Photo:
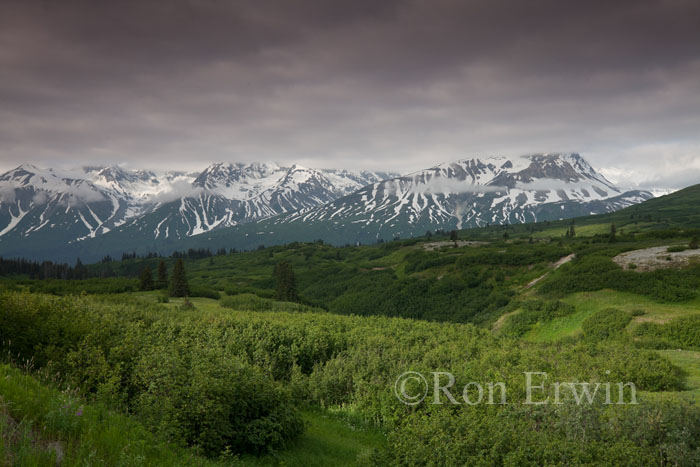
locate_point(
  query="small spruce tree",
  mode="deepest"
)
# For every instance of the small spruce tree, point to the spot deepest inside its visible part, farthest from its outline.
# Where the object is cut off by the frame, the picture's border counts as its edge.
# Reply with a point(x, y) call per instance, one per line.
point(162, 281)
point(79, 271)
point(178, 282)
point(146, 280)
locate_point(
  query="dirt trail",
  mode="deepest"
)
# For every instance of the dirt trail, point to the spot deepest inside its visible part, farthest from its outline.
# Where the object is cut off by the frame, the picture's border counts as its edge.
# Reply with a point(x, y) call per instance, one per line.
point(555, 266)
point(497, 325)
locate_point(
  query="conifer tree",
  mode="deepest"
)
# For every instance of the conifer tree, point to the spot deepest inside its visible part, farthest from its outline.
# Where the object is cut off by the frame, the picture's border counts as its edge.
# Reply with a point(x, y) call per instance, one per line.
point(178, 281)
point(613, 231)
point(162, 282)
point(146, 282)
point(285, 282)
point(79, 270)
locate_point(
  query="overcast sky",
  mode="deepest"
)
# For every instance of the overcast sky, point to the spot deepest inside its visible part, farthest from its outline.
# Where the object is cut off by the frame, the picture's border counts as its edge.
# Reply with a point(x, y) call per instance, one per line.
point(376, 84)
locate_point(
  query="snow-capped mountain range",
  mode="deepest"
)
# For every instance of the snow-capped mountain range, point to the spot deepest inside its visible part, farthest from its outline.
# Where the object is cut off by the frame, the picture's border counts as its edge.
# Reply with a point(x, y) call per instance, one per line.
point(480, 191)
point(462, 194)
point(110, 209)
point(49, 205)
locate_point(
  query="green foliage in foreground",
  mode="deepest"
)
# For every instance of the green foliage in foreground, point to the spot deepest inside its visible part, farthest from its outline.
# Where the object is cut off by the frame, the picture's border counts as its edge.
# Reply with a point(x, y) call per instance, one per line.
point(161, 364)
point(181, 384)
point(551, 435)
point(42, 426)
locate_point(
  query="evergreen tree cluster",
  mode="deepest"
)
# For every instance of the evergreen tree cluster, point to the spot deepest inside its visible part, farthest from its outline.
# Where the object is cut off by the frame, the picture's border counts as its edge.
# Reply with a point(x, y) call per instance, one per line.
point(133, 255)
point(45, 270)
point(192, 253)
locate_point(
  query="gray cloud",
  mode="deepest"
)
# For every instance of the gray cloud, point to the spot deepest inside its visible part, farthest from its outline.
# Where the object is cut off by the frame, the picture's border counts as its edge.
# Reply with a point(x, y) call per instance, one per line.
point(7, 194)
point(397, 85)
point(176, 190)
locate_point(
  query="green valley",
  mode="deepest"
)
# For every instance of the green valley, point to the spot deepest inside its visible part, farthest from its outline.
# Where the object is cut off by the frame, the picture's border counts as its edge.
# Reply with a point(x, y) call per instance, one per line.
point(234, 373)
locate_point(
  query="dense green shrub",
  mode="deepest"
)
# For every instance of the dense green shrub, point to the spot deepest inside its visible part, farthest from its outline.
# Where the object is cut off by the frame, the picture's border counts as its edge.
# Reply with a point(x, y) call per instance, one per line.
point(682, 332)
point(199, 395)
point(420, 260)
point(206, 292)
point(76, 287)
point(513, 255)
point(605, 324)
point(548, 435)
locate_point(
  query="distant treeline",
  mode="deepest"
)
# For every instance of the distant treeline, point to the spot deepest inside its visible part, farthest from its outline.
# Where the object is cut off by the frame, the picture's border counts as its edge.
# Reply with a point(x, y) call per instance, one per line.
point(44, 270)
point(51, 270)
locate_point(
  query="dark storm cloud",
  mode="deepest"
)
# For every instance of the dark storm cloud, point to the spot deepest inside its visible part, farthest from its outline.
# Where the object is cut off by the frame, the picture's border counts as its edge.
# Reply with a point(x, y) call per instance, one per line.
point(386, 84)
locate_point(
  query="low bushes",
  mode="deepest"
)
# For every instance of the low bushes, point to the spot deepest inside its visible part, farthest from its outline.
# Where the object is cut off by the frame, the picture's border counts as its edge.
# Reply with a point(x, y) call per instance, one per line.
point(250, 302)
point(177, 373)
point(225, 381)
point(205, 292)
point(680, 333)
point(605, 324)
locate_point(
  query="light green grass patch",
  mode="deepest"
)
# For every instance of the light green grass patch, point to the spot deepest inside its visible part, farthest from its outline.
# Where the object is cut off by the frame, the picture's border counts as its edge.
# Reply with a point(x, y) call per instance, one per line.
point(688, 360)
point(587, 303)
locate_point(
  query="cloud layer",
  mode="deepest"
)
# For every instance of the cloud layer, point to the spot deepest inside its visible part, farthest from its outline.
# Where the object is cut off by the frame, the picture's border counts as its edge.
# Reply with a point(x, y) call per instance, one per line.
point(397, 85)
